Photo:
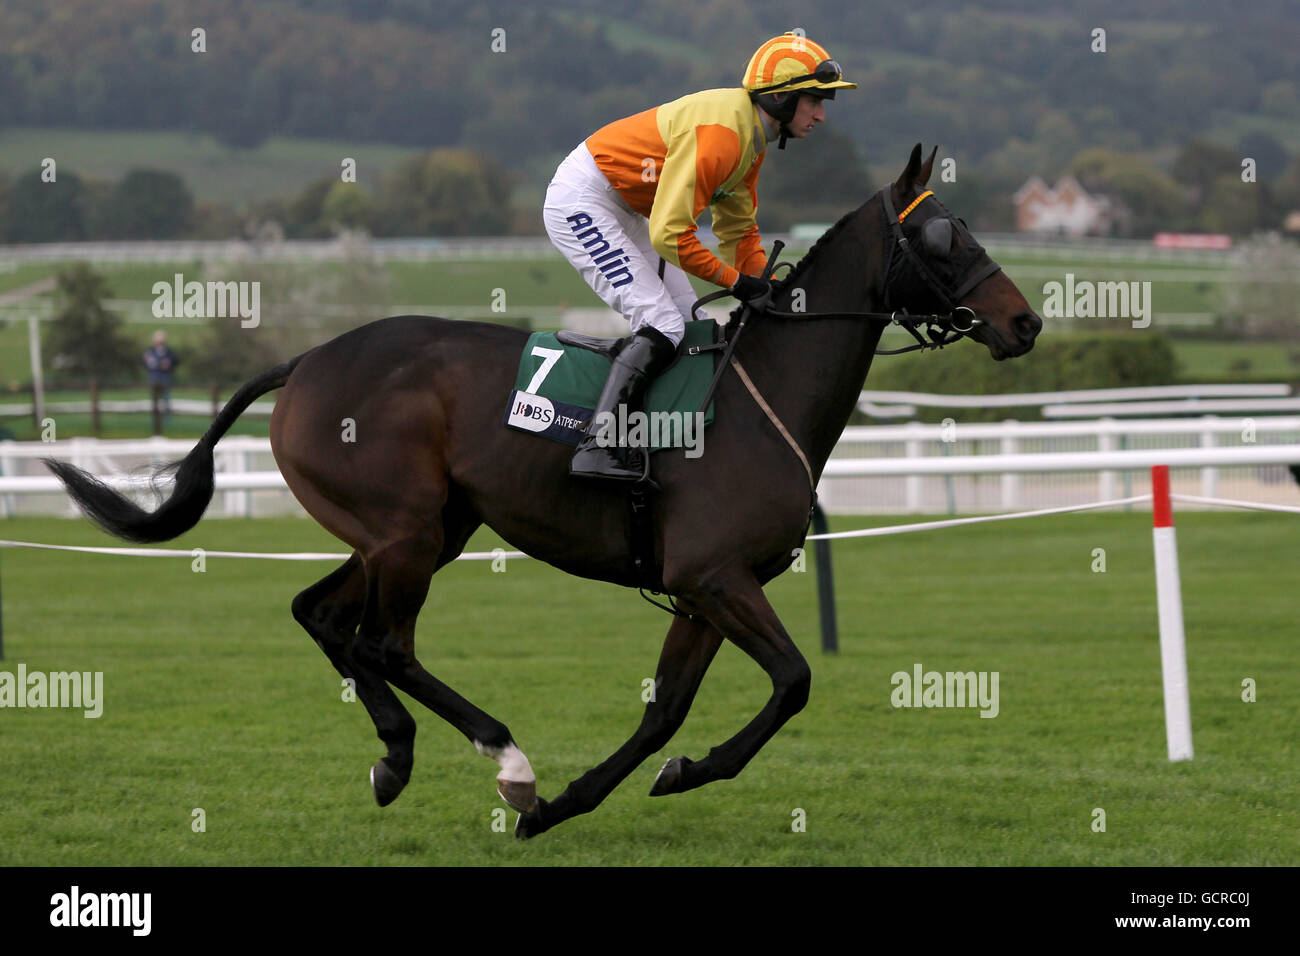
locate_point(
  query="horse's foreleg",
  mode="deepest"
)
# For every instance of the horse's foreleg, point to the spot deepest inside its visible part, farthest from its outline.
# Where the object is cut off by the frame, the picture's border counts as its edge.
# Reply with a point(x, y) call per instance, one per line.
point(688, 650)
point(330, 611)
point(738, 608)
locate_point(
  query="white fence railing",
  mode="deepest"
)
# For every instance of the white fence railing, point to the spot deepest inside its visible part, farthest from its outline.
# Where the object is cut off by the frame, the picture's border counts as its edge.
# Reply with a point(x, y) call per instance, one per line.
point(248, 483)
point(1143, 400)
point(1244, 406)
point(1029, 399)
point(890, 477)
point(913, 468)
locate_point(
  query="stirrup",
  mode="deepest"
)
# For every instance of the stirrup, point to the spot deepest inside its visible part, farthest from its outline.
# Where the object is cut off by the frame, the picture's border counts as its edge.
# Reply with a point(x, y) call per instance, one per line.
point(597, 455)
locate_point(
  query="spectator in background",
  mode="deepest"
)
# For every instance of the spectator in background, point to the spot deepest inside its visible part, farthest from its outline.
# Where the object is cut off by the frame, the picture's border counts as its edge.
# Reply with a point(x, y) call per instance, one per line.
point(161, 362)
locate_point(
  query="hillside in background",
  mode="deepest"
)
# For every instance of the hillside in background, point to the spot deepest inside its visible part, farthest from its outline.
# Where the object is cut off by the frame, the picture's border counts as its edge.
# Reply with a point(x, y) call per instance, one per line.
point(285, 88)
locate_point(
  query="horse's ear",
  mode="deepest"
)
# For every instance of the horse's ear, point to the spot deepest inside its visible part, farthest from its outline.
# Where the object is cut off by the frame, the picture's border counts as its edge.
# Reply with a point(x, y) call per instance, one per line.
point(924, 177)
point(903, 185)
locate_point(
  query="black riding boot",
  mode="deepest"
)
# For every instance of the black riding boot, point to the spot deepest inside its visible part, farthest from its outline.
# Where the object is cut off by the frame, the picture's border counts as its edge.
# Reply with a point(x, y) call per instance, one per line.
point(646, 354)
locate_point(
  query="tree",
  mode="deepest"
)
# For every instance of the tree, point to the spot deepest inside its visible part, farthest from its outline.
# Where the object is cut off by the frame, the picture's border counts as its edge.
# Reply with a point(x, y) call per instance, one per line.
point(1199, 164)
point(40, 211)
point(1153, 199)
point(303, 213)
point(326, 206)
point(1286, 191)
point(1268, 153)
point(1280, 99)
point(97, 209)
point(6, 185)
point(149, 204)
point(817, 184)
point(216, 220)
point(85, 338)
point(446, 192)
point(230, 354)
point(302, 304)
point(346, 206)
point(1231, 206)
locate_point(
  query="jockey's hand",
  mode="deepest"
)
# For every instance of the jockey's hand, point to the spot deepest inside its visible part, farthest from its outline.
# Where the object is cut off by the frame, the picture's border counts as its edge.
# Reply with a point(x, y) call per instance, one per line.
point(753, 290)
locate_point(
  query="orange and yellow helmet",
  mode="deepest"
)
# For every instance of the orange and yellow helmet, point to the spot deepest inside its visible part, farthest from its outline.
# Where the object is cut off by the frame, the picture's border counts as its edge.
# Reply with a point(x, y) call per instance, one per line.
point(794, 62)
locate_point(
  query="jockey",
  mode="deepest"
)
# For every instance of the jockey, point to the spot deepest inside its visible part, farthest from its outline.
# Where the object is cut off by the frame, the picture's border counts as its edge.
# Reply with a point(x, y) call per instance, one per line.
point(623, 208)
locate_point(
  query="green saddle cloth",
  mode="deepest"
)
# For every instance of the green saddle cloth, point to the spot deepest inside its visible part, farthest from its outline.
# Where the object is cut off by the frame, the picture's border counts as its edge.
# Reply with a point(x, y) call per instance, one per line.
point(558, 386)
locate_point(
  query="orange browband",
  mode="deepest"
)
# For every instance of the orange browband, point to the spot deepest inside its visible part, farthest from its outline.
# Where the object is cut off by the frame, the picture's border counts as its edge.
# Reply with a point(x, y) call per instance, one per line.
point(915, 202)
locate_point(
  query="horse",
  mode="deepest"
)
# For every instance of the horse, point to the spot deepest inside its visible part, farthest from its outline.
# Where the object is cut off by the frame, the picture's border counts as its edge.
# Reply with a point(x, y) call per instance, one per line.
point(429, 462)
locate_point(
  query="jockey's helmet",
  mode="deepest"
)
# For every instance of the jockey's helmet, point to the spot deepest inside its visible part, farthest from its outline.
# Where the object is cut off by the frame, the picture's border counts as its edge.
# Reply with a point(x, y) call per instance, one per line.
point(787, 63)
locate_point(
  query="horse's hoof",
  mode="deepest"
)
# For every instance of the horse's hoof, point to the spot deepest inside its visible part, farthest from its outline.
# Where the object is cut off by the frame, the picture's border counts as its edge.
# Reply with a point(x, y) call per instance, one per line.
point(530, 824)
point(386, 784)
point(670, 776)
point(520, 795)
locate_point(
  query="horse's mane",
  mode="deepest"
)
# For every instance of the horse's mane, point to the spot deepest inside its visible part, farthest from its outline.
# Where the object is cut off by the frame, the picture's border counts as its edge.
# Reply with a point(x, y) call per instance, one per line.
point(802, 266)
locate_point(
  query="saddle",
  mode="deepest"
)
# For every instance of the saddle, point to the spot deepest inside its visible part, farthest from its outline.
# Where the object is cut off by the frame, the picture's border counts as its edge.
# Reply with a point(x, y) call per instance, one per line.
point(559, 381)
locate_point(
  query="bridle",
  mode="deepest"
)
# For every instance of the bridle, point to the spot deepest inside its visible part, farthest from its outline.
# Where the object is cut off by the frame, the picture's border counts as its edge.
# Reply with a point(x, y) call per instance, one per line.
point(936, 239)
point(940, 329)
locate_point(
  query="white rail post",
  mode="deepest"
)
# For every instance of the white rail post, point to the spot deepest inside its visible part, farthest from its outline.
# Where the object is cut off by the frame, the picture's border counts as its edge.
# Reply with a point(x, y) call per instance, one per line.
point(1010, 480)
point(1209, 474)
point(7, 502)
point(1169, 604)
point(1106, 442)
point(239, 504)
point(912, 483)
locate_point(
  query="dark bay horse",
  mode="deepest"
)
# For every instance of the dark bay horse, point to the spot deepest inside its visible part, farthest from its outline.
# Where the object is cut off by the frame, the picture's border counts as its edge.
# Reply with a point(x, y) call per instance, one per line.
point(430, 462)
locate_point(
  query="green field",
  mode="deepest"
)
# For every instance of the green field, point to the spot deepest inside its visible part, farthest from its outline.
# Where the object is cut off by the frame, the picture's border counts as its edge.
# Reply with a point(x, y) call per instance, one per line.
point(1175, 290)
point(215, 699)
point(1275, 361)
point(279, 167)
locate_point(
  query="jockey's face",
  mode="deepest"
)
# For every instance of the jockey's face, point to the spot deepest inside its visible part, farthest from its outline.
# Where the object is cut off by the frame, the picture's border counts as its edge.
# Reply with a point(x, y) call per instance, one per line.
point(810, 111)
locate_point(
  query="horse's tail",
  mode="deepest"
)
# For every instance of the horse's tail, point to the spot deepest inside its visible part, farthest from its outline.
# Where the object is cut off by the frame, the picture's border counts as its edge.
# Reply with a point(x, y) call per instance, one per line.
point(120, 516)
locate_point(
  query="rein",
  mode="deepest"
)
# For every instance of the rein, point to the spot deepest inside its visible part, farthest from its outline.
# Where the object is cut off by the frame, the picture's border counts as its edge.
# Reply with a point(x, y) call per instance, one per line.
point(940, 329)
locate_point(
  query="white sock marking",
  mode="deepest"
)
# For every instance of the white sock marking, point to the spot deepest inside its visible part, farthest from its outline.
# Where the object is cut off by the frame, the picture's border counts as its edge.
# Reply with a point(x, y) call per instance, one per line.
point(514, 765)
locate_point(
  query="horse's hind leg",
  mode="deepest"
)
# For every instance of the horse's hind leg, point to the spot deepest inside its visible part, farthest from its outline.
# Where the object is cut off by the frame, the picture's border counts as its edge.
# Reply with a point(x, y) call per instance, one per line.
point(330, 611)
point(397, 582)
point(688, 650)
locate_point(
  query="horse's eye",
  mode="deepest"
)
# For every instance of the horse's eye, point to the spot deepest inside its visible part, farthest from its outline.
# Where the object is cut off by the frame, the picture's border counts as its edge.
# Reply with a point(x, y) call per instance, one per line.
point(936, 237)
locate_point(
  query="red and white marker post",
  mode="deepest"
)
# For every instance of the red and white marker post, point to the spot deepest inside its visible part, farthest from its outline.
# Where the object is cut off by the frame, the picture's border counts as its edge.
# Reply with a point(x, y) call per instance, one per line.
point(1169, 602)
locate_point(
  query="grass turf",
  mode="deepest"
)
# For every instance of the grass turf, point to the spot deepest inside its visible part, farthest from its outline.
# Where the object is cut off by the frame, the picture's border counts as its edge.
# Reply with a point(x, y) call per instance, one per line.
point(215, 699)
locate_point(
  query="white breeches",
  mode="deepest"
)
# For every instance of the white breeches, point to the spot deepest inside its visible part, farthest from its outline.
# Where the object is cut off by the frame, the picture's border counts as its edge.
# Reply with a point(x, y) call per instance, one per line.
point(609, 244)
